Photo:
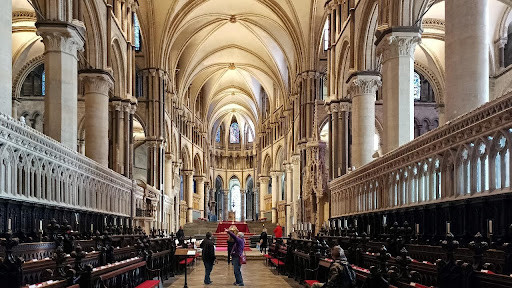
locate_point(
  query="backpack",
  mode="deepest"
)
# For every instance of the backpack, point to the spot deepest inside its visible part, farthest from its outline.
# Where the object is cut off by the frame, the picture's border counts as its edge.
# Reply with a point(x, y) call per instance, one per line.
point(348, 276)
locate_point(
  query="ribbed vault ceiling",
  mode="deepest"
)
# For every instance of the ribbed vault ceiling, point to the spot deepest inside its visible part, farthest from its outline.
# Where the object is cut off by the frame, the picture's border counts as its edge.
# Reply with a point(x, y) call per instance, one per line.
point(228, 51)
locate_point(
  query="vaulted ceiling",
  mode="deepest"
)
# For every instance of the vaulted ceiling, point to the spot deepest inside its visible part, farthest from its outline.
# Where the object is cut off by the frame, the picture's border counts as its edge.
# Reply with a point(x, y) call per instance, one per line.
point(229, 52)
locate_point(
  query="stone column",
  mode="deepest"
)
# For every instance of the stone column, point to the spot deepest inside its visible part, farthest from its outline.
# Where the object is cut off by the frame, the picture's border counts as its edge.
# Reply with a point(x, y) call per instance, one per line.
point(275, 191)
point(296, 186)
point(289, 198)
point(169, 176)
point(6, 58)
point(61, 44)
point(242, 205)
point(467, 56)
point(335, 140)
point(342, 149)
point(363, 88)
point(96, 86)
point(225, 205)
point(396, 50)
point(263, 192)
point(200, 192)
point(189, 193)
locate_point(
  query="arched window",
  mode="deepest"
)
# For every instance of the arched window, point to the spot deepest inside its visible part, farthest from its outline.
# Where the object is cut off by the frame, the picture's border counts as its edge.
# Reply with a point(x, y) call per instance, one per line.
point(34, 84)
point(416, 82)
point(234, 133)
point(250, 135)
point(136, 31)
point(326, 35)
point(422, 89)
point(217, 136)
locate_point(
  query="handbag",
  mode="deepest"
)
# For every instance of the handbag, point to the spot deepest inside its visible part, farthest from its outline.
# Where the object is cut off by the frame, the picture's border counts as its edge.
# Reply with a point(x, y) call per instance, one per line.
point(243, 259)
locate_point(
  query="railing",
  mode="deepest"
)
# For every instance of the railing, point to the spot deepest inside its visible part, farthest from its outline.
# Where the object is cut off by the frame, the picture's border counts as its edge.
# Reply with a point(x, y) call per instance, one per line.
point(36, 168)
point(467, 157)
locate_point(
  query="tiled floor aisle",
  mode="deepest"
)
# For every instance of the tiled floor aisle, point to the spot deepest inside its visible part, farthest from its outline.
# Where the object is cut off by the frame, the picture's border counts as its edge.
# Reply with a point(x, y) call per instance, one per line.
point(255, 274)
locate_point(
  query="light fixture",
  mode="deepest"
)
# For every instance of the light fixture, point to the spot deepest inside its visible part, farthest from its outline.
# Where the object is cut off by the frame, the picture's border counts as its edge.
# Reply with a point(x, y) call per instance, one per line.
point(232, 66)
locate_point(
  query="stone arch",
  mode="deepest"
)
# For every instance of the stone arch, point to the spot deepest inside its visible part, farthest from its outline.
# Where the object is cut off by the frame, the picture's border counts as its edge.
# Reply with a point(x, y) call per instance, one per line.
point(118, 64)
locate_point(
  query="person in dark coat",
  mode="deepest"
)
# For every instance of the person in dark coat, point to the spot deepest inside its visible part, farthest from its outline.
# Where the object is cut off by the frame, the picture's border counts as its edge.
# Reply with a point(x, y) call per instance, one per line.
point(263, 241)
point(181, 236)
point(208, 256)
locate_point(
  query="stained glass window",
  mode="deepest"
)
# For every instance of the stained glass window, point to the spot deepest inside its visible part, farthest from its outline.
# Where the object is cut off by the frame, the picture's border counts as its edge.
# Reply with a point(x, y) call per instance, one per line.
point(217, 136)
point(416, 82)
point(234, 133)
point(136, 30)
point(43, 84)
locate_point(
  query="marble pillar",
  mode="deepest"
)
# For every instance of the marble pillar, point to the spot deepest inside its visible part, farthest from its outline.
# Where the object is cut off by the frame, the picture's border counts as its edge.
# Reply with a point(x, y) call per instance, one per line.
point(96, 86)
point(342, 148)
point(6, 59)
point(242, 205)
point(61, 41)
point(335, 139)
point(263, 192)
point(189, 194)
point(200, 192)
point(363, 89)
point(396, 50)
point(225, 205)
point(289, 198)
point(168, 176)
point(467, 56)
point(296, 187)
point(275, 194)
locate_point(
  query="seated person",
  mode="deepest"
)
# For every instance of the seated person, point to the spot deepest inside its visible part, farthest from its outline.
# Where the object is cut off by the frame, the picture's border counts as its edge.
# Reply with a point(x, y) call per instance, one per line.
point(340, 272)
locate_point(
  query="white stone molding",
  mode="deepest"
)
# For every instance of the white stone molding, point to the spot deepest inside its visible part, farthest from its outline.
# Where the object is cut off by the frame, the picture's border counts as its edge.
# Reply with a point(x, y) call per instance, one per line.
point(363, 84)
point(64, 178)
point(398, 44)
point(61, 38)
point(434, 156)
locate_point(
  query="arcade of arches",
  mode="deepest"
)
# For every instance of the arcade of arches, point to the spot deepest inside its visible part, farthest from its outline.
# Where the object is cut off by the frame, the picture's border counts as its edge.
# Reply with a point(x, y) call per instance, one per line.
point(158, 113)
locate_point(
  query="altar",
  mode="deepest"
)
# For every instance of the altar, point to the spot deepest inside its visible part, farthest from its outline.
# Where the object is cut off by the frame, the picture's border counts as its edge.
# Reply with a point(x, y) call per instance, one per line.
point(241, 226)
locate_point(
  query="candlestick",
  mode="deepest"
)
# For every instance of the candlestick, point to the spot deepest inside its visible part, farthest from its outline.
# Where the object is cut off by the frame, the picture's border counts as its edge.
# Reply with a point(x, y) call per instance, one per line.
point(92, 228)
point(490, 226)
point(448, 227)
point(346, 223)
point(115, 221)
point(417, 229)
point(339, 223)
point(369, 227)
point(355, 222)
point(9, 224)
point(40, 225)
point(384, 220)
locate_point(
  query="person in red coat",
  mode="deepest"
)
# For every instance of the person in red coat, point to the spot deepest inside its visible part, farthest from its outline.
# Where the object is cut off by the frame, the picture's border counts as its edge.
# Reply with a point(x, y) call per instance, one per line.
point(278, 231)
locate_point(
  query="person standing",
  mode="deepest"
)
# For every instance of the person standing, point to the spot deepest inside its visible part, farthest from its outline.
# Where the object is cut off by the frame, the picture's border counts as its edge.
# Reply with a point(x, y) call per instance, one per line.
point(208, 256)
point(238, 250)
point(231, 242)
point(278, 231)
point(263, 241)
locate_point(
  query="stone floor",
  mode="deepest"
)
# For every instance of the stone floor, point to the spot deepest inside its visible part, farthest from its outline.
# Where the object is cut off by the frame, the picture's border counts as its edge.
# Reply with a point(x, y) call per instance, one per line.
point(255, 274)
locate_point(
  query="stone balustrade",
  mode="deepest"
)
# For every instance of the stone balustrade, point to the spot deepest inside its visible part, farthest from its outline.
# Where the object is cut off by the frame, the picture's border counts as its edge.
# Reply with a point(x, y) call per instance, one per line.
point(467, 157)
point(35, 168)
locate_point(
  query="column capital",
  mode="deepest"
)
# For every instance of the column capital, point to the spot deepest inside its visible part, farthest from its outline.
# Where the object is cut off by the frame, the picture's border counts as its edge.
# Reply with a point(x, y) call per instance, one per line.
point(61, 37)
point(296, 159)
point(364, 83)
point(398, 42)
point(187, 172)
point(264, 178)
point(344, 106)
point(96, 80)
point(199, 178)
point(276, 174)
